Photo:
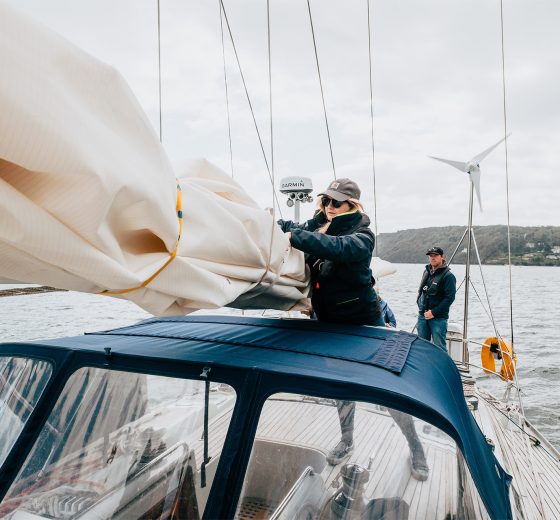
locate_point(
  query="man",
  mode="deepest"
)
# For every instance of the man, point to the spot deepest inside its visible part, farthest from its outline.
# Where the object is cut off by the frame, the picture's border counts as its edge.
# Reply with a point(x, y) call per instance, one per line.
point(435, 295)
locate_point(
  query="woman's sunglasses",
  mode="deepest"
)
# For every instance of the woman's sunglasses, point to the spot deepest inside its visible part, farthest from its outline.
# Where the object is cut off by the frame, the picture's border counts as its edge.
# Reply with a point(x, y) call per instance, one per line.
point(325, 201)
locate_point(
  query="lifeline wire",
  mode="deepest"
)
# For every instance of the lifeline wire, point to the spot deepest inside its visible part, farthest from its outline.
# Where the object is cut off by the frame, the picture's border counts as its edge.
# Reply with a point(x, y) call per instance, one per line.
point(226, 87)
point(372, 136)
point(321, 86)
point(249, 100)
point(534, 439)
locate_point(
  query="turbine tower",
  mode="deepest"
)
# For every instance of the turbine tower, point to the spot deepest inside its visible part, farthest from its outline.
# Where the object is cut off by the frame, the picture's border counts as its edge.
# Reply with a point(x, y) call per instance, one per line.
point(472, 168)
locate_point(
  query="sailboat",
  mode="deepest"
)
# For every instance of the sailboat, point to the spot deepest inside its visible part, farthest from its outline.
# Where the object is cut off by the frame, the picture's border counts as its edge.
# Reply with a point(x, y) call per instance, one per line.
point(232, 417)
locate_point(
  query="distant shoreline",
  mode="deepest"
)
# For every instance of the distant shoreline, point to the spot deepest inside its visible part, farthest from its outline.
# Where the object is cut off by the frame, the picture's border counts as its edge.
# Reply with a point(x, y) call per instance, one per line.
point(530, 246)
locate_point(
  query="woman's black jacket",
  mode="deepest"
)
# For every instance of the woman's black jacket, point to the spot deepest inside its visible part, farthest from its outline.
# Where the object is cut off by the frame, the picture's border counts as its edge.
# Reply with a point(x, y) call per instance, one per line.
point(339, 259)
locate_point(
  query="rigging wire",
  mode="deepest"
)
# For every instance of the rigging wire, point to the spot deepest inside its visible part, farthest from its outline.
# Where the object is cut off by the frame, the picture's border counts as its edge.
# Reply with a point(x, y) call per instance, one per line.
point(159, 67)
point(536, 441)
point(270, 92)
point(507, 171)
point(321, 86)
point(507, 192)
point(226, 88)
point(249, 101)
point(273, 222)
point(488, 310)
point(498, 335)
point(484, 286)
point(376, 253)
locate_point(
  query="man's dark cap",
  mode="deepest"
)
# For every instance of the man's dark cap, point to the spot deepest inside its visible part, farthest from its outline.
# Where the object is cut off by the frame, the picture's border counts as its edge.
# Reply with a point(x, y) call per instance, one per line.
point(342, 189)
point(434, 251)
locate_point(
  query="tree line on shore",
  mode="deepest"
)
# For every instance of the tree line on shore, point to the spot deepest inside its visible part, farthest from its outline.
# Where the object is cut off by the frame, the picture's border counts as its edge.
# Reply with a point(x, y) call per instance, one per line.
point(529, 245)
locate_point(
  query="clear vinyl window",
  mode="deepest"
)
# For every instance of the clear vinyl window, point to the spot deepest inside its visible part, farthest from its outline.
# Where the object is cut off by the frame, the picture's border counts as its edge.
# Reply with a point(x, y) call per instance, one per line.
point(22, 381)
point(124, 445)
point(322, 459)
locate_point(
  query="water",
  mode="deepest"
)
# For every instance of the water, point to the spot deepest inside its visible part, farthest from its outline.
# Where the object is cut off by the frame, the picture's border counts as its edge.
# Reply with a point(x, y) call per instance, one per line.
point(536, 325)
point(536, 311)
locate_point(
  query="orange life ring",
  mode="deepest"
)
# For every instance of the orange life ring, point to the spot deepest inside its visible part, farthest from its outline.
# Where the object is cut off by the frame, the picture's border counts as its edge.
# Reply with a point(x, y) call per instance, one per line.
point(493, 349)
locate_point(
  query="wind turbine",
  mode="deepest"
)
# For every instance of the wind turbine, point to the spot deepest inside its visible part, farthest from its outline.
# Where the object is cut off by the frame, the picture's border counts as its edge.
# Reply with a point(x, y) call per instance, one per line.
point(472, 168)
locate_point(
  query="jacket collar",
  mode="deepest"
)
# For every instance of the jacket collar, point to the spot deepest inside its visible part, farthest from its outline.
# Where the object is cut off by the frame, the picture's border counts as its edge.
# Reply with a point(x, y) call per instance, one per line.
point(443, 267)
point(348, 222)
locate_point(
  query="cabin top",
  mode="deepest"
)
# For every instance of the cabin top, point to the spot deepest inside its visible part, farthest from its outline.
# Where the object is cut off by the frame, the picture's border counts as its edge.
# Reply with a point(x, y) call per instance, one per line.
point(392, 368)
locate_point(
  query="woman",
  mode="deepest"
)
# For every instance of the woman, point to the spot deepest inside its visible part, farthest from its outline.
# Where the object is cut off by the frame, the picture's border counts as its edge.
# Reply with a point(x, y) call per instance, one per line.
point(338, 244)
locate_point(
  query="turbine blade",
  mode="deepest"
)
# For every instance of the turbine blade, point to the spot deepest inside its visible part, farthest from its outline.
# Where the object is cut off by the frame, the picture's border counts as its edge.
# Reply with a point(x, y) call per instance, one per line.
point(477, 158)
point(475, 179)
point(456, 164)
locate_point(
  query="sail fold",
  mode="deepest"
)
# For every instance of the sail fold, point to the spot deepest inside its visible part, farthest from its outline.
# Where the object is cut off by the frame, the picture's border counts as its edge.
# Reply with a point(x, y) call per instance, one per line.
point(88, 195)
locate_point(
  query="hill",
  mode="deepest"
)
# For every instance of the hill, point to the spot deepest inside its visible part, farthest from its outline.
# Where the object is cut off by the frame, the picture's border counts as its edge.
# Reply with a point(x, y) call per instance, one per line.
point(529, 245)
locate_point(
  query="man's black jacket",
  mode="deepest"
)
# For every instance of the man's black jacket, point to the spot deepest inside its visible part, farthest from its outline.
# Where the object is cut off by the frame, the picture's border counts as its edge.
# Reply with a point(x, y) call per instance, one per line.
point(339, 259)
point(437, 291)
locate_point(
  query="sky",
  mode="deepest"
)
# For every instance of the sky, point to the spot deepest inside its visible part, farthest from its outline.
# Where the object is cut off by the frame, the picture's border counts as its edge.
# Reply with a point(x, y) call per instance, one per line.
point(437, 90)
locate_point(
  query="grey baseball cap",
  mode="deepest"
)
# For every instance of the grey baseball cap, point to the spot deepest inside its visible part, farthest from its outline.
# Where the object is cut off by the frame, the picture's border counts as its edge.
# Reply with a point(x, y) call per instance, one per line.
point(342, 189)
point(435, 251)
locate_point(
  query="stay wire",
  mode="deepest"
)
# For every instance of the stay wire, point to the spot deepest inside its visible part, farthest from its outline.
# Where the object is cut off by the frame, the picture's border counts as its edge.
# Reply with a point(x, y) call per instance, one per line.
point(484, 286)
point(226, 88)
point(513, 349)
point(372, 131)
point(249, 102)
point(273, 223)
point(270, 91)
point(498, 335)
point(321, 86)
point(159, 67)
point(507, 170)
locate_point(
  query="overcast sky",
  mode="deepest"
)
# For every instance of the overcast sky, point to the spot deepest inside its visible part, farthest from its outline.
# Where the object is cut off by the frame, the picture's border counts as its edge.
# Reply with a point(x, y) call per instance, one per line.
point(437, 80)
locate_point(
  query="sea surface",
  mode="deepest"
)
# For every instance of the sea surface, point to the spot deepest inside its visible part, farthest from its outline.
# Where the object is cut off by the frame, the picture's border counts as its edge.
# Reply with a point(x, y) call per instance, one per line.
point(536, 318)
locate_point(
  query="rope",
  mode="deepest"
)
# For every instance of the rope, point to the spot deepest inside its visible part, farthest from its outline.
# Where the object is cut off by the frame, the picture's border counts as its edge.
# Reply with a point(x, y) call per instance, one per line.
point(507, 171)
point(321, 86)
point(159, 69)
point(248, 99)
point(226, 87)
point(372, 133)
point(23, 291)
point(179, 209)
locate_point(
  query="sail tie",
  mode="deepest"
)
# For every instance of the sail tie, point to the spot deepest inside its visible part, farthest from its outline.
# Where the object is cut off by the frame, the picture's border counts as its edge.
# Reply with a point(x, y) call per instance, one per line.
point(173, 254)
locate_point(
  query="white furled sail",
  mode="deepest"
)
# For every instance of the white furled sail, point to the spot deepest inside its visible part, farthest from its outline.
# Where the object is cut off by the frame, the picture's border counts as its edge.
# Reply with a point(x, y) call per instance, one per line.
point(89, 200)
point(381, 268)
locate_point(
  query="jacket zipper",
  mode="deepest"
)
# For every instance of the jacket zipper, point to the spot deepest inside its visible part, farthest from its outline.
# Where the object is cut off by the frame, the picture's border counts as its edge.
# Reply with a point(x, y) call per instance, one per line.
point(348, 301)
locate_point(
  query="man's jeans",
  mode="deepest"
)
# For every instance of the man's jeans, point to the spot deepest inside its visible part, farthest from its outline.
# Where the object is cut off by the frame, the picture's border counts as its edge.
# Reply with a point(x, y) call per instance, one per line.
point(434, 330)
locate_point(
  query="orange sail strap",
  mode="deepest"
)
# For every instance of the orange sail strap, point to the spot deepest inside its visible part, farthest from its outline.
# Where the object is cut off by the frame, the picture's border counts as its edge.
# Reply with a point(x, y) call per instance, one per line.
point(173, 254)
